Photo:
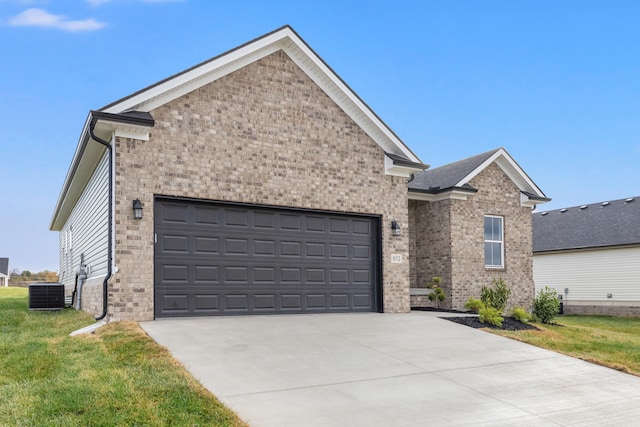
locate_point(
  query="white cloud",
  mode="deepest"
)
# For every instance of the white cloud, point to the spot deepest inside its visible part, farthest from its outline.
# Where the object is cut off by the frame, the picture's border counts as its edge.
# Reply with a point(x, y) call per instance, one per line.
point(41, 18)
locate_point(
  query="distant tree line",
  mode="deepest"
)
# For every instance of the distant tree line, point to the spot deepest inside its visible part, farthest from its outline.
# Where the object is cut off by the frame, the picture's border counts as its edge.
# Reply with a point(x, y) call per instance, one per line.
point(24, 276)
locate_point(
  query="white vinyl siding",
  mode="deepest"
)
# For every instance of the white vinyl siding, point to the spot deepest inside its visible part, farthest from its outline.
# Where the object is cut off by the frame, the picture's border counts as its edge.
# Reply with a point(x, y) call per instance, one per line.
point(591, 274)
point(86, 229)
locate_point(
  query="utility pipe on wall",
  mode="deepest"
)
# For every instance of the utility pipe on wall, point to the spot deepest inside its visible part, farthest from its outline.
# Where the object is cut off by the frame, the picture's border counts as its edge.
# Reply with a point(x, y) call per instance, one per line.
point(105, 283)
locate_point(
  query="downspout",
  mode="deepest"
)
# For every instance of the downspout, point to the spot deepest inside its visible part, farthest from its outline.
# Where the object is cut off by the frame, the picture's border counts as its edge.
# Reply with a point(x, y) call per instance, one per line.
point(105, 283)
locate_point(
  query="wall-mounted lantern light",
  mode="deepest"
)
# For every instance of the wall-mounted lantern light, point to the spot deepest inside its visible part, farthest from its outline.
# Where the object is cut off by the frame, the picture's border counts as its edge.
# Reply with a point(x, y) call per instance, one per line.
point(137, 209)
point(395, 228)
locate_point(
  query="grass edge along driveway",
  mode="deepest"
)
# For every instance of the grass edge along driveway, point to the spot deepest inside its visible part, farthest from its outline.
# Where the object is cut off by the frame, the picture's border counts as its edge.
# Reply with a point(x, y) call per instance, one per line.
point(609, 341)
point(116, 376)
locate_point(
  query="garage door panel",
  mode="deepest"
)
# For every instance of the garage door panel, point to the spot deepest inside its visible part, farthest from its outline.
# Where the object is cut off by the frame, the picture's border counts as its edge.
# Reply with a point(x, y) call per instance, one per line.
point(290, 222)
point(218, 259)
point(206, 274)
point(206, 245)
point(206, 216)
point(206, 302)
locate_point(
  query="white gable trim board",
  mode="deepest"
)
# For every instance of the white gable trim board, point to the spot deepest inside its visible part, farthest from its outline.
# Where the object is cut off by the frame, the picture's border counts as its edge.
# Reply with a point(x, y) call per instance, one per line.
point(283, 39)
point(513, 171)
point(173, 87)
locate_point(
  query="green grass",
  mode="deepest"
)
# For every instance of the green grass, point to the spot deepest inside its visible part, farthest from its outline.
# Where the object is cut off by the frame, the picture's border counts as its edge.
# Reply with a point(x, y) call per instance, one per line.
point(116, 376)
point(605, 340)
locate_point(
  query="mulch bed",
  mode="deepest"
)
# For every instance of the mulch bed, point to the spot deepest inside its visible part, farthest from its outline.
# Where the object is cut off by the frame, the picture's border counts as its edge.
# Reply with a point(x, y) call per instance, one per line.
point(509, 323)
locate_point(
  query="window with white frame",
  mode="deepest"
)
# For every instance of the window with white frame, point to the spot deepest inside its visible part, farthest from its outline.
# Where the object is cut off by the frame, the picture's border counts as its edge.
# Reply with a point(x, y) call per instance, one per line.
point(493, 241)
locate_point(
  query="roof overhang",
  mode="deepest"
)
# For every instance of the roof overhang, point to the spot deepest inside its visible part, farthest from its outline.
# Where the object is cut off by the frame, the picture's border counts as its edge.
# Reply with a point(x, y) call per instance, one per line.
point(585, 249)
point(287, 40)
point(399, 166)
point(435, 195)
point(88, 154)
point(531, 200)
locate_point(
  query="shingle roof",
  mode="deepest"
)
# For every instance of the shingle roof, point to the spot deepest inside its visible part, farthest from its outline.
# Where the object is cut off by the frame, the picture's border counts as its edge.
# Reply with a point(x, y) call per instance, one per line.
point(614, 223)
point(4, 266)
point(447, 176)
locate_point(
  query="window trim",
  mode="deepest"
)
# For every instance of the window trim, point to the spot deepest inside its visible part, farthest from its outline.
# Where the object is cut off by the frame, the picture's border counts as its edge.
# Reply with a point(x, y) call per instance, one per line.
point(502, 265)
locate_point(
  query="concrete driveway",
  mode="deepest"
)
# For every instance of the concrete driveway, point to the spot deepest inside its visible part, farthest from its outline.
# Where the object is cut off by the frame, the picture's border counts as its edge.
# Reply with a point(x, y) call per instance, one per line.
point(391, 370)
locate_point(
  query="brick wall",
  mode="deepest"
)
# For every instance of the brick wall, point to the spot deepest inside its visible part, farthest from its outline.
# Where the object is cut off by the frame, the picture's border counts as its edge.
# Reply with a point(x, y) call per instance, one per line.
point(606, 308)
point(452, 232)
point(265, 134)
point(430, 239)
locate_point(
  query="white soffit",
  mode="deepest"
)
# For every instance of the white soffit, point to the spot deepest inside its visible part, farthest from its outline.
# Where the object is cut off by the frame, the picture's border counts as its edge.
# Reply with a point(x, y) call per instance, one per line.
point(284, 39)
point(452, 194)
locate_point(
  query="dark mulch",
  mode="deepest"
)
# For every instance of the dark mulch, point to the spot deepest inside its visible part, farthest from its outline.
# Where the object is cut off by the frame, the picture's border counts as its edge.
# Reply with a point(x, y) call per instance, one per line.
point(509, 323)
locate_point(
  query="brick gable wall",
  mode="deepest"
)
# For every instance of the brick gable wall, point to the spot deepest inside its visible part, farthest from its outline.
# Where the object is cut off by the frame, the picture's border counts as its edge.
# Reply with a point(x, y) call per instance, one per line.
point(265, 134)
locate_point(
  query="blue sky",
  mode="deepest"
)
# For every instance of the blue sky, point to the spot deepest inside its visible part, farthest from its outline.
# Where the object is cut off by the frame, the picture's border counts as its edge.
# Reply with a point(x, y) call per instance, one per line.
point(557, 83)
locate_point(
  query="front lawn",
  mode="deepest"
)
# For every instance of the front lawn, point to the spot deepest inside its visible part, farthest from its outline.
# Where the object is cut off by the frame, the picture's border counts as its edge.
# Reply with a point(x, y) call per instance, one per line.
point(116, 376)
point(605, 340)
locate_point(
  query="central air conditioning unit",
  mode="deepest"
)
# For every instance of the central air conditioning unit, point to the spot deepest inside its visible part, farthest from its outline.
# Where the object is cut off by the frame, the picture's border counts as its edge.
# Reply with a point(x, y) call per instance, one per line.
point(46, 296)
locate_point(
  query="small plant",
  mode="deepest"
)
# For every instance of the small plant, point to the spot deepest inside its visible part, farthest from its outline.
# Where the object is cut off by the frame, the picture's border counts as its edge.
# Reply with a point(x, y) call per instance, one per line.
point(546, 305)
point(491, 315)
point(521, 315)
point(438, 293)
point(474, 305)
point(496, 296)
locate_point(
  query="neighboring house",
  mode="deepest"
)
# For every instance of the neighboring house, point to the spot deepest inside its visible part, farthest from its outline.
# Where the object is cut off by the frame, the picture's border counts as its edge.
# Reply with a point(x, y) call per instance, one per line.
point(4, 272)
point(470, 223)
point(263, 184)
point(591, 255)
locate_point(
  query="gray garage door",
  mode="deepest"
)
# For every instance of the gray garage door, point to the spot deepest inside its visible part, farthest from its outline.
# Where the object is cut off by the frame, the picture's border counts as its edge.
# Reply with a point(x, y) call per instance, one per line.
point(227, 259)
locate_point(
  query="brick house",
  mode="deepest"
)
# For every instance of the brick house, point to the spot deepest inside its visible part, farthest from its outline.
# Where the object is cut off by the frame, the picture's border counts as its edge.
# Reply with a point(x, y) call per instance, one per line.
point(256, 182)
point(470, 223)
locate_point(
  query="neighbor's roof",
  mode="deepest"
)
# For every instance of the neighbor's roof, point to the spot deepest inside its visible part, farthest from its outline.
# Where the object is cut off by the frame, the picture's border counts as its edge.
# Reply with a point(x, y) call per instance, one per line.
point(4, 266)
point(456, 176)
point(615, 223)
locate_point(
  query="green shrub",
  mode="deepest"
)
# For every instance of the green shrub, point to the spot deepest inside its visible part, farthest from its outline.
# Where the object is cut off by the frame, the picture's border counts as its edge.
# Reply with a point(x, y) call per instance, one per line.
point(438, 293)
point(546, 305)
point(520, 314)
point(474, 305)
point(497, 296)
point(491, 315)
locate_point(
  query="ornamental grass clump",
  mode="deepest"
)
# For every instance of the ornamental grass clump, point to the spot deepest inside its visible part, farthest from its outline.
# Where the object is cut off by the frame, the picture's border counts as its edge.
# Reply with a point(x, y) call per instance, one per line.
point(491, 315)
point(521, 315)
point(474, 305)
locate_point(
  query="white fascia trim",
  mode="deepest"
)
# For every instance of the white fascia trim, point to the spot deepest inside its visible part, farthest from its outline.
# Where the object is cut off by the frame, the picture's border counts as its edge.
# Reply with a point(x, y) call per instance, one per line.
point(399, 170)
point(452, 194)
point(527, 202)
point(302, 55)
point(510, 167)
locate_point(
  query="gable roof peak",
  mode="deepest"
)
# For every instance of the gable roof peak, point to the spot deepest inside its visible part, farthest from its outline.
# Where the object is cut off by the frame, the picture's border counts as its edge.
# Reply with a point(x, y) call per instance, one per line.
point(286, 39)
point(458, 174)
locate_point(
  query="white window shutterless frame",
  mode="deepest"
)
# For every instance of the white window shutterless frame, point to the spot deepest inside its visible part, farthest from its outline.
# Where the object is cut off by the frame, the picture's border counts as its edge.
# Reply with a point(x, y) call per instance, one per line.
point(493, 241)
